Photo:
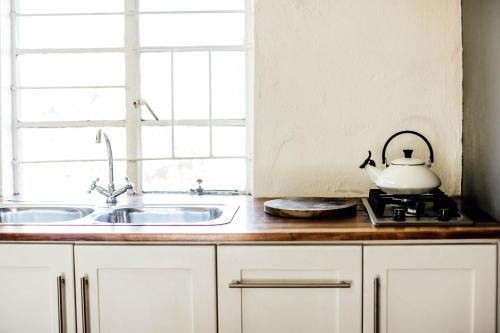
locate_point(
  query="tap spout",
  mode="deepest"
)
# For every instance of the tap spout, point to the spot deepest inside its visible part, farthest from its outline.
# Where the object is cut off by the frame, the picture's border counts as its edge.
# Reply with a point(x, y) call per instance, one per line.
point(98, 139)
point(111, 193)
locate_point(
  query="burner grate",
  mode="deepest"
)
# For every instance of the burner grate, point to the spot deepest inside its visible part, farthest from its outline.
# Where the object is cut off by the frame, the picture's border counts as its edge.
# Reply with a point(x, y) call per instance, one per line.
point(430, 208)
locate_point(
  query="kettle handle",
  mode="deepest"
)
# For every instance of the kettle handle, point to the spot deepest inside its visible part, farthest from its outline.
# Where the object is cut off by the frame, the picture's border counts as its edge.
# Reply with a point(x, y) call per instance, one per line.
point(384, 160)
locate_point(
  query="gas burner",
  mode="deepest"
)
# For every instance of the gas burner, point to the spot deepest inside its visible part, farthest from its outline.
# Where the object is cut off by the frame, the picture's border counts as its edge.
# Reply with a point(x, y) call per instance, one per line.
point(434, 208)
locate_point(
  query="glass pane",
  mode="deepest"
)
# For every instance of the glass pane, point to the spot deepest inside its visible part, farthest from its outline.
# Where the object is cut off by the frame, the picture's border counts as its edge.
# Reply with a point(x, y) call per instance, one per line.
point(41, 144)
point(191, 29)
point(71, 104)
point(71, 31)
point(72, 69)
point(155, 5)
point(229, 141)
point(181, 175)
point(191, 85)
point(46, 181)
point(69, 6)
point(156, 87)
point(191, 141)
point(228, 85)
point(156, 141)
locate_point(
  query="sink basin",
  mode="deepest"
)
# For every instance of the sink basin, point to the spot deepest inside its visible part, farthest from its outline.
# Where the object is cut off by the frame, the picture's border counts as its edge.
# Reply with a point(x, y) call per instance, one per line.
point(169, 215)
point(41, 214)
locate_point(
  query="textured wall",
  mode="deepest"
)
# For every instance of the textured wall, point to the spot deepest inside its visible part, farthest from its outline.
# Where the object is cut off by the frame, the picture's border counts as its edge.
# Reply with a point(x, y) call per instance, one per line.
point(334, 78)
point(482, 104)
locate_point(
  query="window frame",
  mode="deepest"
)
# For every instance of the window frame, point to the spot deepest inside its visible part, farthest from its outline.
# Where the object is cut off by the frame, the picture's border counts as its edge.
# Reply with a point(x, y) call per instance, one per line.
point(133, 122)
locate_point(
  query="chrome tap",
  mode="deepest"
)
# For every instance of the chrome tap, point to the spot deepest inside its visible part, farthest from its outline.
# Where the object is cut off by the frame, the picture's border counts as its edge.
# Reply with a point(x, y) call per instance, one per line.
point(111, 193)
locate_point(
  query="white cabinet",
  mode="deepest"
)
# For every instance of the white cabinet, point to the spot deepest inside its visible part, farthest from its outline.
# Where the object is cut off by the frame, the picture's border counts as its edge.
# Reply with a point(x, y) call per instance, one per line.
point(36, 288)
point(261, 288)
point(131, 289)
point(289, 289)
point(430, 288)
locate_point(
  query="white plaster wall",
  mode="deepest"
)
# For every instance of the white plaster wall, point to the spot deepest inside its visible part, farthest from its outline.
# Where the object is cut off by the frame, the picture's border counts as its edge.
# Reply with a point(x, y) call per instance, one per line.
point(334, 78)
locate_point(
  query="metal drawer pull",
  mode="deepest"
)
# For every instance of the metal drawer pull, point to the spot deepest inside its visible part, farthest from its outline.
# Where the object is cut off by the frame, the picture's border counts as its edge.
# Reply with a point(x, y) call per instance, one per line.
point(84, 283)
point(289, 284)
point(376, 297)
point(61, 287)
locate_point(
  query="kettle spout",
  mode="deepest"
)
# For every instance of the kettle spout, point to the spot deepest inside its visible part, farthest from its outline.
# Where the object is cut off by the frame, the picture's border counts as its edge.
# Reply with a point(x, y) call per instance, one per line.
point(373, 173)
point(370, 167)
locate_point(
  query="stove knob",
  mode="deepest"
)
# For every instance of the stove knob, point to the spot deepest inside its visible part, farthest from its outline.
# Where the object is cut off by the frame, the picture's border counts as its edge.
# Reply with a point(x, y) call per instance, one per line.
point(398, 214)
point(444, 214)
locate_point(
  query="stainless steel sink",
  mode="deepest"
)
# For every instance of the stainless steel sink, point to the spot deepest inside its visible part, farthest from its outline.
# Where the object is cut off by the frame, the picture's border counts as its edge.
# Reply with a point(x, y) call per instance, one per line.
point(181, 214)
point(169, 215)
point(41, 214)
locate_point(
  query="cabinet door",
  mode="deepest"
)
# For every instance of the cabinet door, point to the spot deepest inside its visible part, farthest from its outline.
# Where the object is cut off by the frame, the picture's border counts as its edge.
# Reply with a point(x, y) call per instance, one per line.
point(289, 289)
point(131, 289)
point(36, 288)
point(430, 288)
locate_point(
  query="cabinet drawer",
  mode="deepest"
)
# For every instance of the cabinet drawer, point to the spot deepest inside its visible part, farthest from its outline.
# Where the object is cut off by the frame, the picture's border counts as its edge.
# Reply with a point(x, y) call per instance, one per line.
point(289, 289)
point(430, 288)
point(36, 288)
point(130, 289)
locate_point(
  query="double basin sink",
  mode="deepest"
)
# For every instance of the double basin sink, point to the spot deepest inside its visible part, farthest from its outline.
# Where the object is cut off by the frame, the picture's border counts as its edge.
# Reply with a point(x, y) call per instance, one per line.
point(24, 214)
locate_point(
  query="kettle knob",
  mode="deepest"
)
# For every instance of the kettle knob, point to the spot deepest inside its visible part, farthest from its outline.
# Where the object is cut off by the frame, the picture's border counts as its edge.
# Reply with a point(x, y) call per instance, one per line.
point(408, 152)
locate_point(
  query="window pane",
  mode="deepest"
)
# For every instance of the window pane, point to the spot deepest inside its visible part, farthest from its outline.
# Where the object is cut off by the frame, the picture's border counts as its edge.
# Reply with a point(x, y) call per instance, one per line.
point(181, 175)
point(191, 85)
point(155, 5)
point(228, 85)
point(229, 141)
point(192, 29)
point(156, 88)
point(71, 104)
point(50, 180)
point(41, 144)
point(69, 6)
point(191, 141)
point(71, 31)
point(71, 69)
point(156, 141)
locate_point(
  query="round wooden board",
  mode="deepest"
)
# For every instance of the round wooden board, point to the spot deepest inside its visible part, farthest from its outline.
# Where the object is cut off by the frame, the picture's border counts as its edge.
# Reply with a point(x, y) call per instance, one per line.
point(310, 207)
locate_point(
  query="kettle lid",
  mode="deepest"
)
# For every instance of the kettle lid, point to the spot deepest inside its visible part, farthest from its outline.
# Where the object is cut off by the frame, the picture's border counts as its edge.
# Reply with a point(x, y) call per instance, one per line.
point(408, 160)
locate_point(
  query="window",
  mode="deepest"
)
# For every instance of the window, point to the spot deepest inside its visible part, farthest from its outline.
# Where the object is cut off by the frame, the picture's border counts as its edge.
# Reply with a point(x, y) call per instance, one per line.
point(81, 65)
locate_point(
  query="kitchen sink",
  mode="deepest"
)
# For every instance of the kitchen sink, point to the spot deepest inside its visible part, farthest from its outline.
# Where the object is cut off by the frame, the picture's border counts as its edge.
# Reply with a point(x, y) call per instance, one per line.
point(169, 215)
point(38, 214)
point(175, 214)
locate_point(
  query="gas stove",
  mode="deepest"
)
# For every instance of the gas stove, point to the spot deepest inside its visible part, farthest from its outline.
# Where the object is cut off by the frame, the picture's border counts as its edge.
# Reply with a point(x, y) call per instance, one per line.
point(434, 208)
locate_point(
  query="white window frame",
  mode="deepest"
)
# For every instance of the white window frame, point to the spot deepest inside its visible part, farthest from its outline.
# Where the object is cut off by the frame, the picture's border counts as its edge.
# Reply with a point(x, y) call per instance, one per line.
point(133, 122)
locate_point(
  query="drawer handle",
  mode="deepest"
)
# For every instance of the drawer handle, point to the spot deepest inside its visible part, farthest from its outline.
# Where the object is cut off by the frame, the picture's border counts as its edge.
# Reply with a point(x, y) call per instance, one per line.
point(290, 284)
point(61, 286)
point(376, 299)
point(84, 284)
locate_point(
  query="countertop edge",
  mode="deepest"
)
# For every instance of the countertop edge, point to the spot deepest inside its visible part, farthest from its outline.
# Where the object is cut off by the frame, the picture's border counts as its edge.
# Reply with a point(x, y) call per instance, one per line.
point(305, 236)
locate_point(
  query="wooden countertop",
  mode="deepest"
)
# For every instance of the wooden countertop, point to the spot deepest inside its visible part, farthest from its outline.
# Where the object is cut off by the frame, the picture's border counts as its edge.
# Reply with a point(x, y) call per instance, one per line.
point(250, 224)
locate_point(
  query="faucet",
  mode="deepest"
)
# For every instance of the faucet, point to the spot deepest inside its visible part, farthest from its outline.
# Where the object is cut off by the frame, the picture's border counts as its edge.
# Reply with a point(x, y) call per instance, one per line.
point(111, 193)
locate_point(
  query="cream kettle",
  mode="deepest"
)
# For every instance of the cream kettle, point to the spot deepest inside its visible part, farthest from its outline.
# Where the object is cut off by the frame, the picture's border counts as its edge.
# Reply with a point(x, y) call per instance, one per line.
point(405, 176)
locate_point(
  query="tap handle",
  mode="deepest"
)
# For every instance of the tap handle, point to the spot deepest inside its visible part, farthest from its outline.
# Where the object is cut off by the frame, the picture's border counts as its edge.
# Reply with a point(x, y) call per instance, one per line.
point(129, 185)
point(198, 190)
point(93, 186)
